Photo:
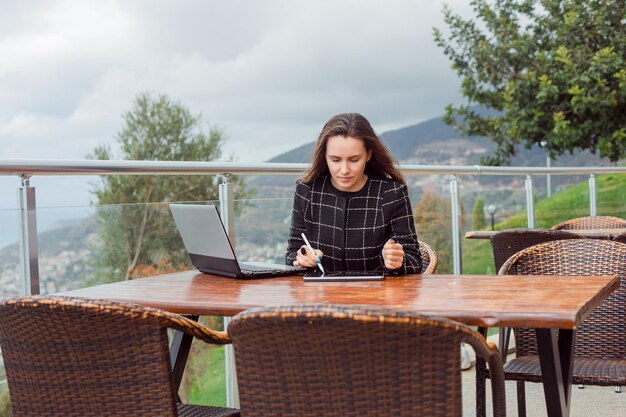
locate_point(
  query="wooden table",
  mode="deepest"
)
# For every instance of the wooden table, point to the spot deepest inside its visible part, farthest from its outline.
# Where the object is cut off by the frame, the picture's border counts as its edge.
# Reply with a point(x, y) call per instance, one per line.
point(547, 303)
point(590, 233)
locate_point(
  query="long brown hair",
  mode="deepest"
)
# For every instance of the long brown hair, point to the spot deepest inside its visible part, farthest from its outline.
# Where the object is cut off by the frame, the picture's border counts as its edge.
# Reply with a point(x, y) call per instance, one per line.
point(354, 125)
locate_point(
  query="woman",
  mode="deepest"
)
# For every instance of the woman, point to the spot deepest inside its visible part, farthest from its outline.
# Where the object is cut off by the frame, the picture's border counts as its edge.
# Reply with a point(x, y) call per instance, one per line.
point(353, 205)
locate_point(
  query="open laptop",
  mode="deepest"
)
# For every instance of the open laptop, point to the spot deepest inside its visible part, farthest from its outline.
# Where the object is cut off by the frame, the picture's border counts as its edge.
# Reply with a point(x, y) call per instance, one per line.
point(210, 250)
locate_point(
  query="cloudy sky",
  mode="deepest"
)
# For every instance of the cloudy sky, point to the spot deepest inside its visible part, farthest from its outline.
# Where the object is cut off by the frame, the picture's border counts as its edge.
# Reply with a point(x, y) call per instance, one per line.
point(268, 73)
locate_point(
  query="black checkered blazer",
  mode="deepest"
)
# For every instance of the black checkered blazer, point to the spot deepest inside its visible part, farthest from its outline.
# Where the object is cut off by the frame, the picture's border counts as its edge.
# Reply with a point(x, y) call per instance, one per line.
point(351, 228)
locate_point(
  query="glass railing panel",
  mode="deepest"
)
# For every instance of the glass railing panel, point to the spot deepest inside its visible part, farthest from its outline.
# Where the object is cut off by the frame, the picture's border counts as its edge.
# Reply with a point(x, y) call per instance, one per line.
point(10, 282)
point(432, 213)
point(566, 201)
point(507, 196)
point(125, 241)
point(85, 245)
point(64, 239)
point(610, 195)
point(489, 202)
point(262, 229)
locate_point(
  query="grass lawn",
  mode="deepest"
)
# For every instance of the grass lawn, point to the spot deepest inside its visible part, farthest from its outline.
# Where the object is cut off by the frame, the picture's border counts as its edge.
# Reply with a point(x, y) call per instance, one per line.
point(209, 387)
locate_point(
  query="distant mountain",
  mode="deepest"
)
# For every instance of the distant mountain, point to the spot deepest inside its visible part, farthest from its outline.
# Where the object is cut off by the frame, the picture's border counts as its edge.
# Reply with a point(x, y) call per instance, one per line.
point(433, 142)
point(298, 155)
point(64, 223)
point(67, 235)
point(405, 143)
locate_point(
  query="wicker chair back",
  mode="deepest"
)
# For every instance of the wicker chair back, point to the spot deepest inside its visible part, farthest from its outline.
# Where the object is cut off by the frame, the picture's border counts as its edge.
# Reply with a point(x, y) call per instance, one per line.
point(620, 238)
point(603, 333)
point(508, 242)
point(352, 361)
point(74, 357)
point(591, 222)
point(429, 258)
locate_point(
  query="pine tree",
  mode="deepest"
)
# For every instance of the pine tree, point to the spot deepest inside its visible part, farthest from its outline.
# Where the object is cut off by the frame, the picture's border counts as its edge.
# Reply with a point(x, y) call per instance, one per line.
point(478, 214)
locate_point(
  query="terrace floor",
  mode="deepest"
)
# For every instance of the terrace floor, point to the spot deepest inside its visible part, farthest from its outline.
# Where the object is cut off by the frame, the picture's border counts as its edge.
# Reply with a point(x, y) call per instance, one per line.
point(591, 401)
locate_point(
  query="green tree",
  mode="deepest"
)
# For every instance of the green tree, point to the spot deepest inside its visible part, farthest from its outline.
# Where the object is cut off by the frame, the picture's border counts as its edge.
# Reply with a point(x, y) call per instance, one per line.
point(432, 223)
point(549, 70)
point(478, 214)
point(137, 234)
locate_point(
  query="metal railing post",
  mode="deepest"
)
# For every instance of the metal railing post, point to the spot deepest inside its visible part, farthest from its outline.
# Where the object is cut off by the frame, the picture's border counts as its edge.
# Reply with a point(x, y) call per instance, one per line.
point(227, 213)
point(592, 195)
point(29, 252)
point(548, 182)
point(455, 214)
point(227, 207)
point(530, 202)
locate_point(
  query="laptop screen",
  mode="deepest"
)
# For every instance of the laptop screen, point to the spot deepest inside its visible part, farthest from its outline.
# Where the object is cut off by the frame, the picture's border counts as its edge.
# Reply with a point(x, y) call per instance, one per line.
point(202, 230)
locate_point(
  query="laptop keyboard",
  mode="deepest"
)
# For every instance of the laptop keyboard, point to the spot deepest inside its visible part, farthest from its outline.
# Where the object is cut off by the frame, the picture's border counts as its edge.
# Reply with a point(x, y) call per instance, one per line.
point(254, 268)
point(251, 269)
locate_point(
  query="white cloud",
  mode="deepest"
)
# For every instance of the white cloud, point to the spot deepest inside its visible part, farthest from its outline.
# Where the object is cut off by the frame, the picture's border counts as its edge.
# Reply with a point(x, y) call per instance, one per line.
point(267, 72)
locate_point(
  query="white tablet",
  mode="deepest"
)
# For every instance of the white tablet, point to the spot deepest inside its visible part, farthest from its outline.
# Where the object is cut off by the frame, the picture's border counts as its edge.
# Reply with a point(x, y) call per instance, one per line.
point(345, 276)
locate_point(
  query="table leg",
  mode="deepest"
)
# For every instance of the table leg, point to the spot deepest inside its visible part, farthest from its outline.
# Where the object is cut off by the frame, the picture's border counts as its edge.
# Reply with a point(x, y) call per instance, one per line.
point(556, 356)
point(179, 352)
point(503, 342)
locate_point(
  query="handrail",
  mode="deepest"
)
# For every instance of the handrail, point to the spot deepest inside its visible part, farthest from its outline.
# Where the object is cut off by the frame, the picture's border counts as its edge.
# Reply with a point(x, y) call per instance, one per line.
point(123, 167)
point(30, 167)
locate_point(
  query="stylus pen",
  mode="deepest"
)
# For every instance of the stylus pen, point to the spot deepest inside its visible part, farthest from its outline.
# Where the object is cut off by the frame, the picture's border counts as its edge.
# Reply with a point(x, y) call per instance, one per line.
point(319, 260)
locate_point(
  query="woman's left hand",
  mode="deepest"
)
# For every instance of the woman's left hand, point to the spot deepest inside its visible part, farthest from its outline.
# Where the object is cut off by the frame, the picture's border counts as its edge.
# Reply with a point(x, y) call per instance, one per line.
point(393, 255)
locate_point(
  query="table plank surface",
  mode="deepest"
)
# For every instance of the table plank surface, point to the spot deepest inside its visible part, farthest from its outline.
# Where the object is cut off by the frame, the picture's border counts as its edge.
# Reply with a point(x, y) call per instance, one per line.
point(485, 300)
point(590, 233)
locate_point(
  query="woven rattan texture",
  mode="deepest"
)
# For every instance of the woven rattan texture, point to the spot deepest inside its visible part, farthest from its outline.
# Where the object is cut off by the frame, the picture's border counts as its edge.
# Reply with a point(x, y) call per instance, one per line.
point(603, 334)
point(429, 258)
point(350, 361)
point(620, 238)
point(186, 410)
point(508, 242)
point(600, 349)
point(591, 222)
point(588, 371)
point(76, 357)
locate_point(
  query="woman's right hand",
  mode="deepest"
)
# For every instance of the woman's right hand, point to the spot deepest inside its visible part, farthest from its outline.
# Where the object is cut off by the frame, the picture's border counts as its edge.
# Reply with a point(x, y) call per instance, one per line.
point(393, 254)
point(305, 259)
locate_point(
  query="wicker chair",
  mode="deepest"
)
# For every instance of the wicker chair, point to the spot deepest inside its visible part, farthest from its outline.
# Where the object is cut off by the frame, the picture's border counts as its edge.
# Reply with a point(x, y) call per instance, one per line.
point(74, 357)
point(506, 244)
point(620, 238)
point(429, 258)
point(591, 222)
point(313, 360)
point(601, 340)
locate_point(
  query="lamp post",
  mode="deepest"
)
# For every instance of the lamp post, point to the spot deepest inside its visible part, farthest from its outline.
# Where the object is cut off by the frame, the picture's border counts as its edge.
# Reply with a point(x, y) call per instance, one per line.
point(491, 209)
point(543, 144)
